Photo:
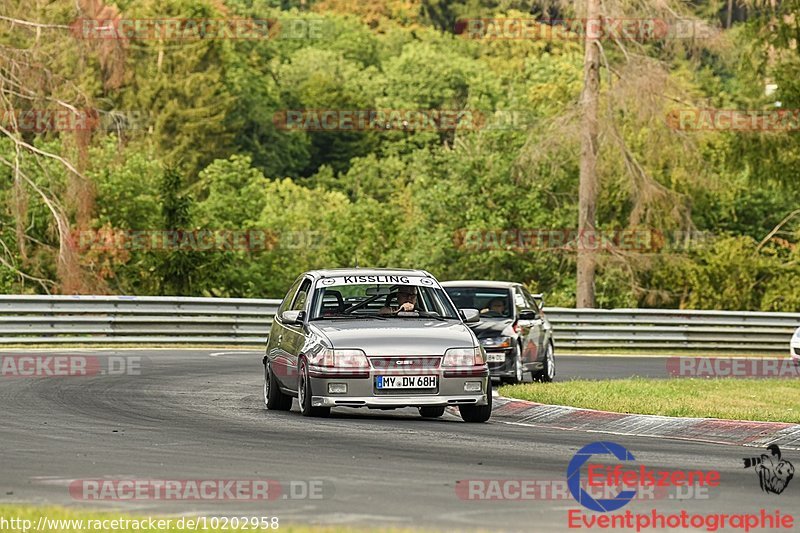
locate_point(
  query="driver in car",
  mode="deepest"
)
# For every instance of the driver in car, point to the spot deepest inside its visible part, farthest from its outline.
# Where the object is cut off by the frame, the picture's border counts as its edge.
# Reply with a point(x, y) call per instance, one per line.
point(497, 306)
point(406, 300)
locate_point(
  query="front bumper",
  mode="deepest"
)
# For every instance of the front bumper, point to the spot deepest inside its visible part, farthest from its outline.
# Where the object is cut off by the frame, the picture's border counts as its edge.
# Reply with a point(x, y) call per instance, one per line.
point(362, 391)
point(505, 369)
point(392, 402)
point(795, 351)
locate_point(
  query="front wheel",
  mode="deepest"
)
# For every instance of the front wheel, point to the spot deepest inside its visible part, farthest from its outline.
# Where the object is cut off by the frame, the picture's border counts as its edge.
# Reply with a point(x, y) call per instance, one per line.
point(431, 412)
point(477, 413)
point(548, 373)
point(518, 370)
point(304, 394)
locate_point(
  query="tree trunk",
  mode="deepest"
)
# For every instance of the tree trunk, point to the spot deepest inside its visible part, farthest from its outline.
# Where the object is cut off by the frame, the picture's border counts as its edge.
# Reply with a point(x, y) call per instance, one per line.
point(587, 194)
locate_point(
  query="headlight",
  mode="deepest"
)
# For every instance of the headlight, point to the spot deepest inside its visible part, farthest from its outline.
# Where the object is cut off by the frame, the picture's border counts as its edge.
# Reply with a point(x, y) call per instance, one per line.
point(340, 358)
point(496, 342)
point(463, 357)
point(797, 334)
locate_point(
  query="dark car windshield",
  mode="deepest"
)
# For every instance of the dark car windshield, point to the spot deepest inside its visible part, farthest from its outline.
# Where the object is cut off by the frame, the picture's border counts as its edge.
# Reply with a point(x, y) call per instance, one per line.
point(378, 300)
point(492, 303)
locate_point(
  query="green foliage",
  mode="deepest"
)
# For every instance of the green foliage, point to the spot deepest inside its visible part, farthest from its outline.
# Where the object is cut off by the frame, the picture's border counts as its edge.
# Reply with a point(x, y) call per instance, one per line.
point(406, 197)
point(177, 271)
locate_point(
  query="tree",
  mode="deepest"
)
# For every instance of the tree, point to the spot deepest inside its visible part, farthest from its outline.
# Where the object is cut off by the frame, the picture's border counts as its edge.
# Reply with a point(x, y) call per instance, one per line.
point(587, 194)
point(177, 270)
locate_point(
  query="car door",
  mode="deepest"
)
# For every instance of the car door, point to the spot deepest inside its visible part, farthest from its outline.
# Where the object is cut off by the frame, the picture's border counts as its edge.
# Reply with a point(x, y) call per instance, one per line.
point(529, 327)
point(294, 335)
point(277, 334)
point(538, 325)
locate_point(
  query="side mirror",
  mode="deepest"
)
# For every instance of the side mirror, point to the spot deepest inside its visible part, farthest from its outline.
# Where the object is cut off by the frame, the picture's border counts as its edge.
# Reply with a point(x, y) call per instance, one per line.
point(293, 317)
point(527, 314)
point(470, 316)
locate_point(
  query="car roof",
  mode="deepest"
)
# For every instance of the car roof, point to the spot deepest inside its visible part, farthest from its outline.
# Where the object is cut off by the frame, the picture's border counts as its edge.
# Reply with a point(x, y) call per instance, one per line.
point(484, 284)
point(331, 272)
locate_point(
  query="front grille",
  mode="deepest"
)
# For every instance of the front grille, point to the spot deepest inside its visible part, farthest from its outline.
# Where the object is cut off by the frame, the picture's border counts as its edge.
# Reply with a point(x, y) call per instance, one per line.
point(406, 364)
point(797, 351)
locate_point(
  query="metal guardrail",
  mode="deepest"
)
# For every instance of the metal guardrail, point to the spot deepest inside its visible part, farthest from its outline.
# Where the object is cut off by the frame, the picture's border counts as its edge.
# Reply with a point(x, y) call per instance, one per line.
point(670, 329)
point(134, 320)
point(240, 321)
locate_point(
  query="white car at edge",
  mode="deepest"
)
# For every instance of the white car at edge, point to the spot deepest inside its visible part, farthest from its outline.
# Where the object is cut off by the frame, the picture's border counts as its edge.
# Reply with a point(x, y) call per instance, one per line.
point(795, 347)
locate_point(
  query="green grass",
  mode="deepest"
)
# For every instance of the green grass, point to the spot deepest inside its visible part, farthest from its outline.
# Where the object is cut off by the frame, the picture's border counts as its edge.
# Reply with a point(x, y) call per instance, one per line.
point(771, 400)
point(33, 513)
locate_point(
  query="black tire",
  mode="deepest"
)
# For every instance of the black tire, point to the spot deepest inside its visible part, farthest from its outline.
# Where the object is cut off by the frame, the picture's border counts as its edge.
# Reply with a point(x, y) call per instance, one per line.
point(431, 412)
point(548, 373)
point(304, 394)
point(274, 397)
point(477, 413)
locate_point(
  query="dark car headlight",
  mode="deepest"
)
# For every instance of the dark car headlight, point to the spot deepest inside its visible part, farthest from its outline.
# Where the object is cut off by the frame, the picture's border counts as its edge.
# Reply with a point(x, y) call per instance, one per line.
point(496, 342)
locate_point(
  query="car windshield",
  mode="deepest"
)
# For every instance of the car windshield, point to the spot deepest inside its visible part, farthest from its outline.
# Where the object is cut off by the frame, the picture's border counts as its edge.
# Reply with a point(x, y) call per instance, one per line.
point(492, 303)
point(379, 300)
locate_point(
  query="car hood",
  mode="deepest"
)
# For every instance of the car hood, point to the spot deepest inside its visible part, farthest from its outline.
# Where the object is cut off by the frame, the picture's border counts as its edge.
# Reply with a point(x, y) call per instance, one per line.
point(396, 336)
point(491, 328)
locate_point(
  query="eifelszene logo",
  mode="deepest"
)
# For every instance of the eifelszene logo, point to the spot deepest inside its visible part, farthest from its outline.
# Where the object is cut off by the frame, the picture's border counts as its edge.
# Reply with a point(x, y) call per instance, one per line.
point(774, 473)
point(574, 476)
point(630, 478)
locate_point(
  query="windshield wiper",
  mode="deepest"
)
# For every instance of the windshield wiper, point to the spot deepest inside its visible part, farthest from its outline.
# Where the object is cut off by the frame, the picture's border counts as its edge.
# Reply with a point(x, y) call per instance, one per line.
point(328, 317)
point(425, 314)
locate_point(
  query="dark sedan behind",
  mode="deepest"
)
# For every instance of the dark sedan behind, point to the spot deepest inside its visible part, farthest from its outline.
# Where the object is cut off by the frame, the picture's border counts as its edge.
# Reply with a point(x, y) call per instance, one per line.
point(513, 328)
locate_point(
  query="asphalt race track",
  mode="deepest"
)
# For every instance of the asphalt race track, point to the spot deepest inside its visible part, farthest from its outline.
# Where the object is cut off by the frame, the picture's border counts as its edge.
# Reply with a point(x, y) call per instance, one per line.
point(199, 414)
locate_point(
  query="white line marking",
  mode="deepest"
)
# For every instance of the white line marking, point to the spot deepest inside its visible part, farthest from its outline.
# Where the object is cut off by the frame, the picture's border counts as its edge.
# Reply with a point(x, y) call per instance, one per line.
point(641, 435)
point(217, 354)
point(667, 356)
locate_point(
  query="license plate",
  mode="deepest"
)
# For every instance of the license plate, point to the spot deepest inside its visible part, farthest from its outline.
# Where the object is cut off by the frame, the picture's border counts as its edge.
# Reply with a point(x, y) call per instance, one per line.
point(495, 357)
point(405, 382)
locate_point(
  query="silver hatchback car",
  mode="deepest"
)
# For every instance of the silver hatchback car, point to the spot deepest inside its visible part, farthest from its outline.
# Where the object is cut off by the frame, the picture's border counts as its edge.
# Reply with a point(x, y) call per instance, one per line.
point(376, 338)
